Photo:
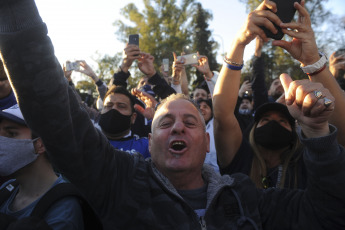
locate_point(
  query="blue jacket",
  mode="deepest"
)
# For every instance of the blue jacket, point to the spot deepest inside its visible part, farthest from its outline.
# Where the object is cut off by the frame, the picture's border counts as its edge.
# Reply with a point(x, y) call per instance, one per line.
point(132, 144)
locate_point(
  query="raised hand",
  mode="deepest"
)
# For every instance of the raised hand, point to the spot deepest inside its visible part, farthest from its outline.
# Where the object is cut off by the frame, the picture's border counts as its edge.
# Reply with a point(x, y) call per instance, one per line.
point(203, 67)
point(68, 74)
point(336, 63)
point(86, 69)
point(130, 53)
point(259, 17)
point(246, 86)
point(309, 103)
point(148, 100)
point(303, 45)
point(145, 64)
point(177, 68)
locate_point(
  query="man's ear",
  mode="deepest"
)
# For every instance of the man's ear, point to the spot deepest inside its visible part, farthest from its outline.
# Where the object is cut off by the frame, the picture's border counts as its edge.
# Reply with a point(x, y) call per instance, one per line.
point(133, 117)
point(39, 146)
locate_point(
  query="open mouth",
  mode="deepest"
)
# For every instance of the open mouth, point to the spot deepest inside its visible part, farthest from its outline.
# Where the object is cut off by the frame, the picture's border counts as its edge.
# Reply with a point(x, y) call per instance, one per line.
point(178, 145)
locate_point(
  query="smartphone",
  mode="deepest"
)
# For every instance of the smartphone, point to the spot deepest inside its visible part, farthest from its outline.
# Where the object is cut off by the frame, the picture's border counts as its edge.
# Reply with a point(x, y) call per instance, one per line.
point(133, 39)
point(285, 11)
point(166, 65)
point(190, 59)
point(72, 66)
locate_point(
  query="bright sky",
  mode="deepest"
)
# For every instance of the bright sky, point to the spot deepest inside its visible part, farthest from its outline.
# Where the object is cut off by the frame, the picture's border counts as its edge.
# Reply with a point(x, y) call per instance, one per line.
point(80, 28)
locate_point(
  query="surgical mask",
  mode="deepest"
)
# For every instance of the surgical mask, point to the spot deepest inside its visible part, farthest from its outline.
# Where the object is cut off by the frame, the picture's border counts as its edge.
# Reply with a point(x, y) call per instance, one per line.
point(114, 122)
point(244, 111)
point(15, 154)
point(273, 136)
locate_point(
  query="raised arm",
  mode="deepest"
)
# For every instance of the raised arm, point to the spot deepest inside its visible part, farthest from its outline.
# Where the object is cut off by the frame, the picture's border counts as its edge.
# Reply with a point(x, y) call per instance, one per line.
point(321, 204)
point(204, 68)
point(303, 48)
point(161, 87)
point(76, 148)
point(228, 136)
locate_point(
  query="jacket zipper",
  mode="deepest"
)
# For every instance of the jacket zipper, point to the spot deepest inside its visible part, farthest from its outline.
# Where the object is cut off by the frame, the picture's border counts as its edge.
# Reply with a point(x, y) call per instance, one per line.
point(202, 223)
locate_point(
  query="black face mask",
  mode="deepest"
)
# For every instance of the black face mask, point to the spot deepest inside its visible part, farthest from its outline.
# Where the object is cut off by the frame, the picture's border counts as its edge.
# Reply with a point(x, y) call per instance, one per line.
point(114, 122)
point(273, 136)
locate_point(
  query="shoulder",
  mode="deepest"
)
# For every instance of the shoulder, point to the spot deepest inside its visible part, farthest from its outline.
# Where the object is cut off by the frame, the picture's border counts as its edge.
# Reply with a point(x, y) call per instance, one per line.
point(66, 213)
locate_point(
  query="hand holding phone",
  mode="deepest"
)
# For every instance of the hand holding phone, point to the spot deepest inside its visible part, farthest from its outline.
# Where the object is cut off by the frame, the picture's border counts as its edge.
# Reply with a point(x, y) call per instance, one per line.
point(285, 11)
point(72, 65)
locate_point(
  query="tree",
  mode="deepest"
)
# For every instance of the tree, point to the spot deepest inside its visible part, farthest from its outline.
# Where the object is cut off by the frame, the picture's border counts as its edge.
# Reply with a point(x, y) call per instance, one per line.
point(162, 26)
point(278, 60)
point(203, 41)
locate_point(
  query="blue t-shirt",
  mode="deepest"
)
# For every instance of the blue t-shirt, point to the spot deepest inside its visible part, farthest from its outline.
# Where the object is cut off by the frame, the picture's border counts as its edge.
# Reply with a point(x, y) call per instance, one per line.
point(63, 214)
point(8, 101)
point(132, 144)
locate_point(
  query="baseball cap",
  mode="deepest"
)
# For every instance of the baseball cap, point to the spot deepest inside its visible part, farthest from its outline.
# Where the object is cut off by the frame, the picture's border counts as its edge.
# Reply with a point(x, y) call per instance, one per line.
point(13, 114)
point(273, 106)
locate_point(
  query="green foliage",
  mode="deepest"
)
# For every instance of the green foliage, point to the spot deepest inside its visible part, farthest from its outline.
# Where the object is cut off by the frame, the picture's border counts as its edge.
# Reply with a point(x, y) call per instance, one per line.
point(107, 65)
point(166, 27)
point(162, 26)
point(203, 42)
point(85, 86)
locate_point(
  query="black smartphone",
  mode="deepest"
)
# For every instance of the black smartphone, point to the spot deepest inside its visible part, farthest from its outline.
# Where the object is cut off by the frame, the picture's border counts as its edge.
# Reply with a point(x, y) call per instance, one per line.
point(285, 11)
point(133, 39)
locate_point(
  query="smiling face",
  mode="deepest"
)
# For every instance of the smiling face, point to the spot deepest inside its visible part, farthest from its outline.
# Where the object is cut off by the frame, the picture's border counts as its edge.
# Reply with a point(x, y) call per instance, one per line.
point(205, 111)
point(178, 142)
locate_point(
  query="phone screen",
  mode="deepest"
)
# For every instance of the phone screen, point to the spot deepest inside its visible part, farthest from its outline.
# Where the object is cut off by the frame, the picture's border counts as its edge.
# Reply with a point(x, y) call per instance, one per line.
point(166, 65)
point(189, 59)
point(285, 11)
point(133, 39)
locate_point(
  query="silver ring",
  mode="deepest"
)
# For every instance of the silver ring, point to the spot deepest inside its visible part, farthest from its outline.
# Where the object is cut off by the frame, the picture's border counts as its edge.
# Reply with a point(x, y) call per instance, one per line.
point(318, 94)
point(327, 102)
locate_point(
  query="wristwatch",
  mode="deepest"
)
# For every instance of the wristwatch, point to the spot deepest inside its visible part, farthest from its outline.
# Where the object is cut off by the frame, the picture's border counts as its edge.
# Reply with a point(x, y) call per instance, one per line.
point(309, 69)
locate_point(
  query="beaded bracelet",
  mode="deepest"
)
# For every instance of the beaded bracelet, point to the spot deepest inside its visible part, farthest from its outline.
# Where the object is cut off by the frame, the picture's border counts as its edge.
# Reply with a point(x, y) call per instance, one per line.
point(233, 67)
point(228, 61)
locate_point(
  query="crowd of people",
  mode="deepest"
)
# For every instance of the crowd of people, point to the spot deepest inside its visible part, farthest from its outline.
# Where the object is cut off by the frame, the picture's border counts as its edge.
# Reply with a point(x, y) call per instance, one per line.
point(225, 156)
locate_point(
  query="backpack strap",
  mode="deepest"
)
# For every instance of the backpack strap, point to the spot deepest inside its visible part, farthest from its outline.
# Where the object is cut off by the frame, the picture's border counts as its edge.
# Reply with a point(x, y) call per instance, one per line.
point(6, 191)
point(62, 190)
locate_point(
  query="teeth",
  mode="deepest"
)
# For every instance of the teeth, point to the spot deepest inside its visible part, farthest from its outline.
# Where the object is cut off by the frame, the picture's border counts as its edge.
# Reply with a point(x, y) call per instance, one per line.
point(178, 143)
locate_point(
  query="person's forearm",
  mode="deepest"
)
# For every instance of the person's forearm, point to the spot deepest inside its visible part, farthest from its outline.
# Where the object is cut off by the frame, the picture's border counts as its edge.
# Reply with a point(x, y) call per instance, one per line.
point(227, 86)
point(161, 87)
point(224, 103)
point(120, 78)
point(184, 83)
point(260, 94)
point(101, 88)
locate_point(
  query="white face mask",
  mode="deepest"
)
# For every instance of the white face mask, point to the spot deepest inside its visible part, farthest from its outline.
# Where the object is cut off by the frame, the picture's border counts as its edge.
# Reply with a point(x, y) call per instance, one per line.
point(15, 154)
point(244, 111)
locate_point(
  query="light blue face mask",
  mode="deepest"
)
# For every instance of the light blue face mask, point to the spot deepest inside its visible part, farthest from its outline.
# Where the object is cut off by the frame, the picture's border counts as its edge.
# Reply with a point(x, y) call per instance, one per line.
point(244, 111)
point(15, 154)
